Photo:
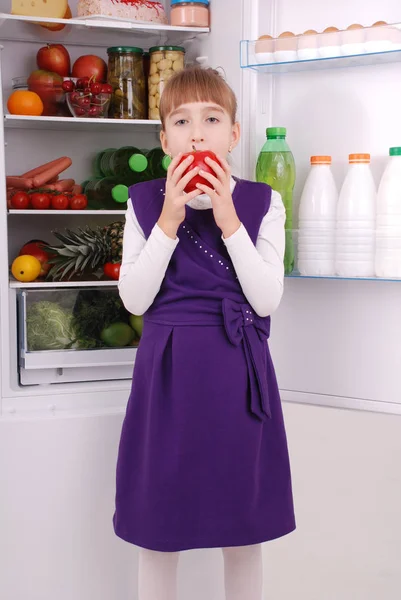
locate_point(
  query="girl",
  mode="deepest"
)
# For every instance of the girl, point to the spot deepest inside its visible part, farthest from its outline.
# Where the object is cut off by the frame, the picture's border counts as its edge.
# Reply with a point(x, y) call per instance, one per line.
point(203, 458)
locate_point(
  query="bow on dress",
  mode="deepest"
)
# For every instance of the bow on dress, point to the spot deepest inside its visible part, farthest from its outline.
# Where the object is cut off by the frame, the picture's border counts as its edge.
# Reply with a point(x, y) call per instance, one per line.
point(242, 324)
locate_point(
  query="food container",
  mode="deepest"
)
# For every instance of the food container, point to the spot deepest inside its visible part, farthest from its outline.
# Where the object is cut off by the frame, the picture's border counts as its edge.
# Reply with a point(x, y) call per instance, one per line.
point(82, 105)
point(307, 45)
point(285, 47)
point(20, 83)
point(164, 62)
point(264, 50)
point(330, 43)
point(146, 11)
point(190, 14)
point(125, 75)
point(353, 40)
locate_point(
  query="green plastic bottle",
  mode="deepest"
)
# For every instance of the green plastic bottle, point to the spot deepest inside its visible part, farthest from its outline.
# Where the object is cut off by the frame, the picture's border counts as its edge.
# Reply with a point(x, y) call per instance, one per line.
point(124, 162)
point(109, 193)
point(158, 163)
point(276, 167)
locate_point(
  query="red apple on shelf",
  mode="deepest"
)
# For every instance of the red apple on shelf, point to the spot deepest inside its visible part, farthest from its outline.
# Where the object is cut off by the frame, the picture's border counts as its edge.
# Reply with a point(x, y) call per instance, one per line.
point(47, 85)
point(55, 58)
point(199, 161)
point(36, 248)
point(90, 66)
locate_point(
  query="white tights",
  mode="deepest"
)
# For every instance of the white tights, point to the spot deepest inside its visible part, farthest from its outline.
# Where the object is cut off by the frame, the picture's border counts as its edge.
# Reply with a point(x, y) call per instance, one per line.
point(242, 574)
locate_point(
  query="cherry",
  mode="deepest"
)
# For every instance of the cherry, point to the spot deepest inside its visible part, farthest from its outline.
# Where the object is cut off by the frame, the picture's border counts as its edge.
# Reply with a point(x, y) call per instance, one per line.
point(106, 88)
point(68, 86)
point(95, 88)
point(79, 111)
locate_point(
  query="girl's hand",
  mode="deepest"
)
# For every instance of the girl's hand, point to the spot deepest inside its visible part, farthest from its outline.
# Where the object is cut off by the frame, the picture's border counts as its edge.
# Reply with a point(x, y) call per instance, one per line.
point(224, 211)
point(173, 212)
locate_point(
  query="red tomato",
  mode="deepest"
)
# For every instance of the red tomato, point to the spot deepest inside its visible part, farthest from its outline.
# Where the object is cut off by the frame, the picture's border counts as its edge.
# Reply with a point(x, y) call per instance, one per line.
point(20, 200)
point(78, 202)
point(199, 161)
point(112, 270)
point(36, 249)
point(40, 201)
point(59, 202)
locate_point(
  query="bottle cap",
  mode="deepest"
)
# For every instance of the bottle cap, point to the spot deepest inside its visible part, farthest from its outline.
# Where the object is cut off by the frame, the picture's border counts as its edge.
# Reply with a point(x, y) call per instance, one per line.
point(166, 160)
point(359, 158)
point(320, 160)
point(119, 193)
point(138, 163)
point(276, 132)
point(395, 151)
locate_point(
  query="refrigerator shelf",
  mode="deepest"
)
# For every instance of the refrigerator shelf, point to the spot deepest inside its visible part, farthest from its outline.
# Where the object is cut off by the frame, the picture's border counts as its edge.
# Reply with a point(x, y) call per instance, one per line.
point(95, 31)
point(296, 275)
point(264, 62)
point(66, 212)
point(76, 124)
point(61, 284)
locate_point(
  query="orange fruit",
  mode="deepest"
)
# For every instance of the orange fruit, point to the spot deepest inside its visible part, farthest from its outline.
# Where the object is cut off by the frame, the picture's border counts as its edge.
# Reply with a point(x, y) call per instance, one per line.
point(23, 102)
point(58, 26)
point(26, 268)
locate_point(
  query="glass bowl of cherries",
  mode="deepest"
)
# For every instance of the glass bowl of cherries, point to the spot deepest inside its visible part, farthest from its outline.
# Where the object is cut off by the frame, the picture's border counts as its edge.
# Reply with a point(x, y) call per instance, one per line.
point(87, 98)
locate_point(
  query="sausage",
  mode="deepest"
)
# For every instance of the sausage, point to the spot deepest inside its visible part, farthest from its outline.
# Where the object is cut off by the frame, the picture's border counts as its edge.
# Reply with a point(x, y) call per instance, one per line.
point(76, 189)
point(21, 183)
point(41, 168)
point(61, 165)
point(63, 185)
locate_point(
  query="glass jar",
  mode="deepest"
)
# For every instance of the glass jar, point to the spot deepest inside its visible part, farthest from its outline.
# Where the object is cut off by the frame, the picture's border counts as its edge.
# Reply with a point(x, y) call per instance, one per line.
point(190, 14)
point(164, 62)
point(125, 75)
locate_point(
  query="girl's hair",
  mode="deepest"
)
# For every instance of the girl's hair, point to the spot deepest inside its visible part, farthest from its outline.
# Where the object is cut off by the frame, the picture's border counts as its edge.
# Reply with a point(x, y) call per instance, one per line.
point(196, 84)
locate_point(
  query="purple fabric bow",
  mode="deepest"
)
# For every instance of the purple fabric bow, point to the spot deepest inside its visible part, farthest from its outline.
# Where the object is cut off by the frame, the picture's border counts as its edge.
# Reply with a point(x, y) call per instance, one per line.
point(243, 324)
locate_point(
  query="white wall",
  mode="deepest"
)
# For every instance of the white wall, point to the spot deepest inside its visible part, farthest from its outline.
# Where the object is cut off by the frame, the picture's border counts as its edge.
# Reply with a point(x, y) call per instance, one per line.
point(57, 502)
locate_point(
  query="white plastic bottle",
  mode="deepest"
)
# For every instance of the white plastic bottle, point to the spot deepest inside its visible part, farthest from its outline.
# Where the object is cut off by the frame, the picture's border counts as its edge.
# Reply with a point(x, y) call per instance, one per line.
point(317, 220)
point(356, 220)
point(388, 219)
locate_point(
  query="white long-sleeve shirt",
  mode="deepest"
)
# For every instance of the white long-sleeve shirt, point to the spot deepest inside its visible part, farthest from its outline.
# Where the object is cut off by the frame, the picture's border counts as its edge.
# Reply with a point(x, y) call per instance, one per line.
point(259, 268)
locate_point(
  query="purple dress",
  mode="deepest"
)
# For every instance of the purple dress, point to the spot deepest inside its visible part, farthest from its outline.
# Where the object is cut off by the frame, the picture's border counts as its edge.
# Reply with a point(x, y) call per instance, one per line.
point(203, 459)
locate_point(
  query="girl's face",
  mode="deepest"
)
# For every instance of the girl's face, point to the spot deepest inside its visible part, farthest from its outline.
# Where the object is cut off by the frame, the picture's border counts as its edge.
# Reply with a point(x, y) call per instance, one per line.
point(203, 125)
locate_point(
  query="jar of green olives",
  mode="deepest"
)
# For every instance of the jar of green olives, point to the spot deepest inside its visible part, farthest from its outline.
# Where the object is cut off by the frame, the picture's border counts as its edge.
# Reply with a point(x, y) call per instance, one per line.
point(164, 62)
point(126, 76)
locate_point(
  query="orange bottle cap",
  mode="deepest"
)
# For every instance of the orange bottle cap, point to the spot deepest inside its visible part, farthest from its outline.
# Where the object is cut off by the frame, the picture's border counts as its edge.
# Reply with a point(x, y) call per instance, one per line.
point(360, 158)
point(320, 160)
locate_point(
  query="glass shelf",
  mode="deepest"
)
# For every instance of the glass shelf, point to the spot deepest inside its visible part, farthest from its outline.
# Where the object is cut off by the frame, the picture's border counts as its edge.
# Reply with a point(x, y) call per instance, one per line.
point(296, 275)
point(94, 31)
point(77, 124)
point(341, 49)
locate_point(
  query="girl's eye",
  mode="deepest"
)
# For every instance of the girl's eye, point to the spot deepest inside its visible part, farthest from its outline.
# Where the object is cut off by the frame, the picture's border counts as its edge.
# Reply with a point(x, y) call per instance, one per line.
point(181, 122)
point(213, 120)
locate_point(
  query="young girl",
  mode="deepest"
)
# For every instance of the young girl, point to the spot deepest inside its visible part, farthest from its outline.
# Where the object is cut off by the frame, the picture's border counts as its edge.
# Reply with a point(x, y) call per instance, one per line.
point(203, 458)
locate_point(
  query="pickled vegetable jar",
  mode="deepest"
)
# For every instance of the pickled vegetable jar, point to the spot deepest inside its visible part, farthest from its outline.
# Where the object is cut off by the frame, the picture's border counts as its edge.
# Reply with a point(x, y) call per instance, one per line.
point(164, 62)
point(126, 76)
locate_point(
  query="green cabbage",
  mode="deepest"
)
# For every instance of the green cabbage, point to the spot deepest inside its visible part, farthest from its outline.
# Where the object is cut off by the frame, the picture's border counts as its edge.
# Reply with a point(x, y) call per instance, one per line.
point(49, 327)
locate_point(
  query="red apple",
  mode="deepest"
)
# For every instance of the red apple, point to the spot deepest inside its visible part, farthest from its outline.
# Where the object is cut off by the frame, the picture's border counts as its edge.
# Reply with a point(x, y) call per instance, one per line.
point(35, 248)
point(55, 58)
point(90, 65)
point(199, 161)
point(48, 87)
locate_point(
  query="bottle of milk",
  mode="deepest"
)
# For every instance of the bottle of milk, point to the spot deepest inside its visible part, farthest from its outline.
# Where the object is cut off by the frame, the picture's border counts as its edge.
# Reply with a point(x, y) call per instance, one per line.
point(356, 220)
point(388, 219)
point(317, 220)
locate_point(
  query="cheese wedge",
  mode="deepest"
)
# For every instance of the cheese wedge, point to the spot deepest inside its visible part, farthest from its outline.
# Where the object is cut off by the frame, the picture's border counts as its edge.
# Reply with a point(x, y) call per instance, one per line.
point(54, 9)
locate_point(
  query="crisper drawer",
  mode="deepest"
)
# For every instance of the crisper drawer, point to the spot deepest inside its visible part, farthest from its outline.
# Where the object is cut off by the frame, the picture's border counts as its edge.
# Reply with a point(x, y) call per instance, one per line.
point(75, 334)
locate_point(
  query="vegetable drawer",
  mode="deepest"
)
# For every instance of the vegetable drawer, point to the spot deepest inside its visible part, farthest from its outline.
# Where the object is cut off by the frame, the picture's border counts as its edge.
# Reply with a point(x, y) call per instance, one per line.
point(73, 335)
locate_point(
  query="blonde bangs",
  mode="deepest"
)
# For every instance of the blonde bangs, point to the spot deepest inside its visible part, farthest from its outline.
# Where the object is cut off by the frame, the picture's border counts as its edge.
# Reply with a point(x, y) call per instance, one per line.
point(195, 84)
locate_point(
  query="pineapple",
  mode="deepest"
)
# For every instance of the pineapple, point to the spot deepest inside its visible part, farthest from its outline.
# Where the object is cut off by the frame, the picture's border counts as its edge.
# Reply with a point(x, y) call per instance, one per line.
point(87, 249)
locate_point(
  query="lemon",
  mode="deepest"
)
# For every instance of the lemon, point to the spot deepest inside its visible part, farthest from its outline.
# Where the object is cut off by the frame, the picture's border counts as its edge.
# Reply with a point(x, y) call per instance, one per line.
point(26, 268)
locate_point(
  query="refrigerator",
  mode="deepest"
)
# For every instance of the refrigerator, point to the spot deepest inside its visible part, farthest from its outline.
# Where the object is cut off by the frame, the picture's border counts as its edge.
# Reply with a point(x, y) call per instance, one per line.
point(335, 342)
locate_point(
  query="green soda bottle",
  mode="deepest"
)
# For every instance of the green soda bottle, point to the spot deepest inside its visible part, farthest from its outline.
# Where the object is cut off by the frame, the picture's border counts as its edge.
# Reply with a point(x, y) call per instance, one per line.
point(124, 162)
point(276, 167)
point(158, 163)
point(108, 193)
